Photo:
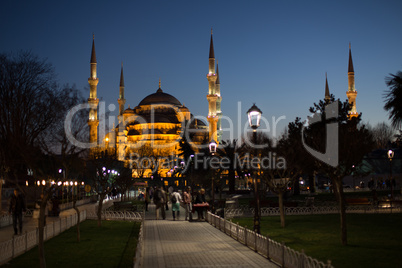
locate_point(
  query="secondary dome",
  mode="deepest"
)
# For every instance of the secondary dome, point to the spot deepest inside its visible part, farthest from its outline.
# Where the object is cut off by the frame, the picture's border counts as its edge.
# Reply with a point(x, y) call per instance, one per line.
point(160, 98)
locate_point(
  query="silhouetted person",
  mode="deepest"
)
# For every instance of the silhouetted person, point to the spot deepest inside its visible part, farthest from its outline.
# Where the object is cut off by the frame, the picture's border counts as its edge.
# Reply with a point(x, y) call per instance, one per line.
point(160, 202)
point(200, 199)
point(17, 206)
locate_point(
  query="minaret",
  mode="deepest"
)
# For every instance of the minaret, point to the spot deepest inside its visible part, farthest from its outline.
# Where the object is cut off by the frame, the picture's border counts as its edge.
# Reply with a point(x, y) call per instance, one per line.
point(212, 97)
point(327, 95)
point(351, 93)
point(93, 101)
point(121, 99)
point(218, 103)
point(120, 142)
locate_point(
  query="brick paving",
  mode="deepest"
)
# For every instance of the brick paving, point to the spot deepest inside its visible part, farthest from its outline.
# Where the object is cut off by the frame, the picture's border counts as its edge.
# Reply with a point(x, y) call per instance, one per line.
point(181, 243)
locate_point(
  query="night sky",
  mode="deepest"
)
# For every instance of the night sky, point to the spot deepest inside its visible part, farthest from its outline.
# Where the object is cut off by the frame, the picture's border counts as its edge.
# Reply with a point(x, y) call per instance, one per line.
point(273, 53)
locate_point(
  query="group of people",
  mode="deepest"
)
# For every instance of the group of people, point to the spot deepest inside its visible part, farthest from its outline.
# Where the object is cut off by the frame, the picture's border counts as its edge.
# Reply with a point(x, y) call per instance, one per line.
point(161, 198)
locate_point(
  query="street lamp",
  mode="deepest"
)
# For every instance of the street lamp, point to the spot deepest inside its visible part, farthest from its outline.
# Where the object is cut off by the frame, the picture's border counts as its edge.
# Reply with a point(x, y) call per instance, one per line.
point(390, 156)
point(254, 117)
point(212, 150)
point(212, 147)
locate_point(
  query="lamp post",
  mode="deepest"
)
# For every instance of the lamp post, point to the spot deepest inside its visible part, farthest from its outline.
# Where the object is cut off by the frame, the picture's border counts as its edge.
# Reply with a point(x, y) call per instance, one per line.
point(254, 117)
point(390, 156)
point(212, 150)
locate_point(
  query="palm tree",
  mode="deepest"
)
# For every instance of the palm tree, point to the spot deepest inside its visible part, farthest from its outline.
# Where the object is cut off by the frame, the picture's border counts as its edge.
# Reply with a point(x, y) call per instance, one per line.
point(393, 98)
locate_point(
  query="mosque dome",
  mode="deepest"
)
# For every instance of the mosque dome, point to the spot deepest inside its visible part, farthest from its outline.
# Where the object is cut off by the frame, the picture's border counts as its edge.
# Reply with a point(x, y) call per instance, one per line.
point(160, 98)
point(128, 110)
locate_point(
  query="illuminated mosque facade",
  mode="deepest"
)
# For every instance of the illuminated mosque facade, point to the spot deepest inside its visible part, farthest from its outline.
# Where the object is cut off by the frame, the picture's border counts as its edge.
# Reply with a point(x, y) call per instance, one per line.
point(154, 127)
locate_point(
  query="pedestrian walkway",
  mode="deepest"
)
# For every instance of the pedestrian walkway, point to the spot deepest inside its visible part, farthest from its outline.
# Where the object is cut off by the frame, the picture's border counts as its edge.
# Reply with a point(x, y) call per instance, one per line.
point(181, 243)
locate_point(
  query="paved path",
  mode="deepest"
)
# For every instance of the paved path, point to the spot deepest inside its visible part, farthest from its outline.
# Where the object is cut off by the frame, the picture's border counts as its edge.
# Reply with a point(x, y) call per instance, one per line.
point(181, 243)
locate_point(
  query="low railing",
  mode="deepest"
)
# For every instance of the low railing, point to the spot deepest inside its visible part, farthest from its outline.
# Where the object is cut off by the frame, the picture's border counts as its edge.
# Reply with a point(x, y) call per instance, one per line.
point(6, 220)
point(139, 253)
point(274, 211)
point(80, 202)
point(272, 250)
point(116, 215)
point(21, 244)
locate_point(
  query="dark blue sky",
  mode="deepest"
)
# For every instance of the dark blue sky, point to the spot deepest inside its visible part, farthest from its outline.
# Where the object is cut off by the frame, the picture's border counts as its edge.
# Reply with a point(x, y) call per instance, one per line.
point(273, 53)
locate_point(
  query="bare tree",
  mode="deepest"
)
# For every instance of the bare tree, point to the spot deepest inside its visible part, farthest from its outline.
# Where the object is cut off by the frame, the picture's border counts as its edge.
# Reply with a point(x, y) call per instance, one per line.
point(354, 142)
point(287, 164)
point(32, 111)
point(140, 159)
point(124, 181)
point(383, 135)
point(30, 104)
point(101, 169)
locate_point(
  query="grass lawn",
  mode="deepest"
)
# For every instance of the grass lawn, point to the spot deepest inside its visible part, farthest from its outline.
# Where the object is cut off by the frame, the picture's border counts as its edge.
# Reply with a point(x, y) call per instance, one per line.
point(374, 240)
point(112, 245)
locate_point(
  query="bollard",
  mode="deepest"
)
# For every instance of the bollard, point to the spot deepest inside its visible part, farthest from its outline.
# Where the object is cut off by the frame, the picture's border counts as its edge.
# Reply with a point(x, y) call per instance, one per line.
point(283, 255)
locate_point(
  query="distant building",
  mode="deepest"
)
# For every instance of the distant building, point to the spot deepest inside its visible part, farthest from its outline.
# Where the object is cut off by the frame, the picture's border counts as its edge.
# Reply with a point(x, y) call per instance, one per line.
point(151, 131)
point(351, 93)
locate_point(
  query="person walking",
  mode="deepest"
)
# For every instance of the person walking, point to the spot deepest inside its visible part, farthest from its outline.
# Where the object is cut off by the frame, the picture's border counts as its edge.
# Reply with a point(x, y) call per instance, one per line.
point(17, 206)
point(176, 199)
point(167, 198)
point(187, 203)
point(147, 198)
point(160, 201)
point(200, 199)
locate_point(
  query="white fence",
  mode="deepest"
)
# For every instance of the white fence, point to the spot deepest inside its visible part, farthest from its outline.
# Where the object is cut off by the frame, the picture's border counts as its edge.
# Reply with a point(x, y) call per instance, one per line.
point(5, 220)
point(21, 244)
point(139, 253)
point(274, 211)
point(116, 215)
point(277, 252)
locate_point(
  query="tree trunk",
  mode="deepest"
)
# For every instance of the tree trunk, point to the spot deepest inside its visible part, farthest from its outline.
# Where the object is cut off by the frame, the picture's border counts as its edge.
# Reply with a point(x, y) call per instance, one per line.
point(296, 187)
point(41, 226)
point(232, 181)
point(338, 189)
point(281, 209)
point(78, 221)
point(311, 183)
point(99, 213)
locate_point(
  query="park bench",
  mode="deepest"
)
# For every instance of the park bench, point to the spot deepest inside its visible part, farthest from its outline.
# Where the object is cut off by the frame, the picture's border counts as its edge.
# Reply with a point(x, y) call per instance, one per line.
point(358, 201)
